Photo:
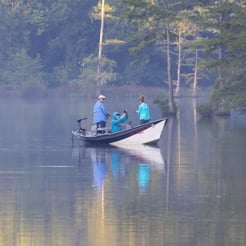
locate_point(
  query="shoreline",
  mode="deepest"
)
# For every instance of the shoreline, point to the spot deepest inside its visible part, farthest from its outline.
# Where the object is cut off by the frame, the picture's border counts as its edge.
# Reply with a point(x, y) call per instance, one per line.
point(128, 91)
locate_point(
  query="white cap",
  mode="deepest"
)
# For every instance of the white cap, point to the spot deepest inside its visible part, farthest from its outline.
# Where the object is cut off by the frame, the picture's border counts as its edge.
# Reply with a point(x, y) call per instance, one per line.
point(101, 97)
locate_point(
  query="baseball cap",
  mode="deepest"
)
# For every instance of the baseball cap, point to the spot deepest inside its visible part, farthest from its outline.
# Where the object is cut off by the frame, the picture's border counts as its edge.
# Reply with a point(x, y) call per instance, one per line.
point(101, 97)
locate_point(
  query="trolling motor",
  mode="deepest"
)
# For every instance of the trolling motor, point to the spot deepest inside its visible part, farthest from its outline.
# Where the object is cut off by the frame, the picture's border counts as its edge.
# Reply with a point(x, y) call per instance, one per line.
point(80, 129)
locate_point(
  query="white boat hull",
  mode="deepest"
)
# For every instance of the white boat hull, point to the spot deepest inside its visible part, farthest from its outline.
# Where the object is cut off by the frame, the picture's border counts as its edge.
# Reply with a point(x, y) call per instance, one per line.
point(147, 136)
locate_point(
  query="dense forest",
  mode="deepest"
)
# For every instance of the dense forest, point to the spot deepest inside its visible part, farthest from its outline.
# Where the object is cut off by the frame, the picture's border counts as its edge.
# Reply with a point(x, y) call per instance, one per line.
point(84, 45)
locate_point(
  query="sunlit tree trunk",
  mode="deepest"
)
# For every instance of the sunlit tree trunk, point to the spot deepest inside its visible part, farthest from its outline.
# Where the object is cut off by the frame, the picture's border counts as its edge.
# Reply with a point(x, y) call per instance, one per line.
point(177, 90)
point(220, 82)
point(169, 77)
point(99, 84)
point(220, 56)
point(194, 89)
point(222, 107)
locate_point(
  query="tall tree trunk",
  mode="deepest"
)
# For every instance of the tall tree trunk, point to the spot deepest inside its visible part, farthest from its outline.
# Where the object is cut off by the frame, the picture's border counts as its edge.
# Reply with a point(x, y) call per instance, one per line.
point(220, 82)
point(195, 75)
point(169, 78)
point(222, 107)
point(98, 79)
point(177, 89)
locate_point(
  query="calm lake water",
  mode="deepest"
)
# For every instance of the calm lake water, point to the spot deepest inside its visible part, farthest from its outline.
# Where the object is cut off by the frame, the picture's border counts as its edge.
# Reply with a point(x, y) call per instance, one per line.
point(190, 191)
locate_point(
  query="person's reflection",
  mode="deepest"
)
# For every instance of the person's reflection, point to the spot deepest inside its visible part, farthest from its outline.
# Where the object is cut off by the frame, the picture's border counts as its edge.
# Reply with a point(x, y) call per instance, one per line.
point(119, 164)
point(143, 177)
point(99, 170)
point(119, 170)
point(115, 163)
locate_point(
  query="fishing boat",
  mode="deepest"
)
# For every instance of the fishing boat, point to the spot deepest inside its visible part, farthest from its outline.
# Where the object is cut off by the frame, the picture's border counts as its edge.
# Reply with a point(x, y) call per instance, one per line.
point(148, 133)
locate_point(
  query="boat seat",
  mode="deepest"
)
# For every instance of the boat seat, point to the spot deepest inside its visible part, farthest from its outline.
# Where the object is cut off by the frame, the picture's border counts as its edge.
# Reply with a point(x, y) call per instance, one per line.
point(103, 130)
point(125, 126)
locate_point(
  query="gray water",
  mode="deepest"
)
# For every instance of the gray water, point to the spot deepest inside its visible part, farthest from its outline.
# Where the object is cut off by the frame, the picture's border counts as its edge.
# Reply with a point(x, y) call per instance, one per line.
point(189, 191)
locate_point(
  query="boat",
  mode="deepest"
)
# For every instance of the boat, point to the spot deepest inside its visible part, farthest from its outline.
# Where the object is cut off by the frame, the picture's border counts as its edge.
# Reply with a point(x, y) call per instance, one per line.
point(148, 134)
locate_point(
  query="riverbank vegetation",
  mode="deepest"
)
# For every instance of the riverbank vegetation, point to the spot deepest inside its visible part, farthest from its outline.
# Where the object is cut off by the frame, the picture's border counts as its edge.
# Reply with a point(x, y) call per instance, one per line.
point(85, 46)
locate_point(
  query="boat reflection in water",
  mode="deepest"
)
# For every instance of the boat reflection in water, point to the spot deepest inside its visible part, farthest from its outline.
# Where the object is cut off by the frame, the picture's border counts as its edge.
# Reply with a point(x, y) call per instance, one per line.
point(148, 158)
point(119, 164)
point(118, 184)
point(147, 154)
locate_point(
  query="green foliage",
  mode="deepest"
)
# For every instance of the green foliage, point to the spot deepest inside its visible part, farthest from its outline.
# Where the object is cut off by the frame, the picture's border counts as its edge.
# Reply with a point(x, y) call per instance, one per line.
point(108, 11)
point(57, 34)
point(232, 96)
point(225, 23)
point(67, 35)
point(163, 105)
point(59, 76)
point(205, 110)
point(23, 73)
point(89, 75)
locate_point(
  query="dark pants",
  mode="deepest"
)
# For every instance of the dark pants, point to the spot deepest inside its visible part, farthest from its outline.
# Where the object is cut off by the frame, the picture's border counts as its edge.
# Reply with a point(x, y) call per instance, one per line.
point(143, 121)
point(101, 124)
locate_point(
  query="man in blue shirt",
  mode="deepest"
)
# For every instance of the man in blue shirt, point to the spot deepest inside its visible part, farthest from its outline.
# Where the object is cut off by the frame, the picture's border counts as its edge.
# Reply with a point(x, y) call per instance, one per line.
point(143, 111)
point(100, 113)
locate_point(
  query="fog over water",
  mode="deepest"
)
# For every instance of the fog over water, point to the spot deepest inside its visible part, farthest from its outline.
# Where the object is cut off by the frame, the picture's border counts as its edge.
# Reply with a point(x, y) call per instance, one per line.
point(189, 191)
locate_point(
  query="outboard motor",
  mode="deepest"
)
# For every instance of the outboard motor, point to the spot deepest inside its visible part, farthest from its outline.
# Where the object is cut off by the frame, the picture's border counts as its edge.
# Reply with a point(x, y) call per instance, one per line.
point(80, 129)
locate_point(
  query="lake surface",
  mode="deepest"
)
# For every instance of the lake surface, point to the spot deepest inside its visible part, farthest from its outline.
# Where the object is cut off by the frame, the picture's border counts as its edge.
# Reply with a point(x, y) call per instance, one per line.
point(190, 191)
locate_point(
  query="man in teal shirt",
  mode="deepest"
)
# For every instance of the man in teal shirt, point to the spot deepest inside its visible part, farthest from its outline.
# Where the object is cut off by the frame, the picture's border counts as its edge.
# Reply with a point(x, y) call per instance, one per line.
point(143, 111)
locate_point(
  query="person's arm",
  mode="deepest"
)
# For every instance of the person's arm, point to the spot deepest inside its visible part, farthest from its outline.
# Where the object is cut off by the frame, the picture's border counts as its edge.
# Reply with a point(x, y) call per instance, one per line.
point(124, 117)
point(140, 109)
point(105, 112)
